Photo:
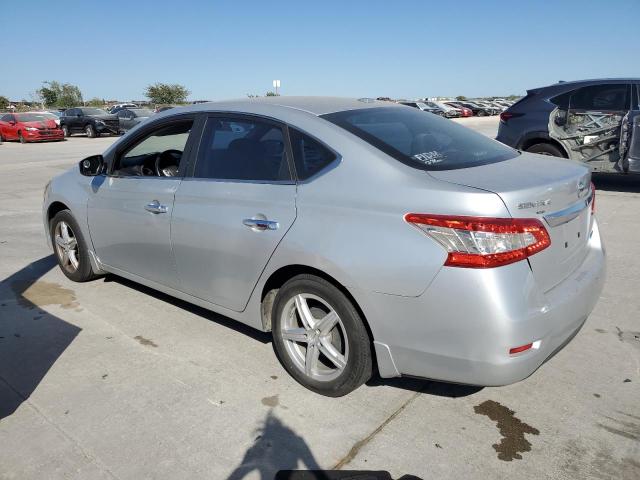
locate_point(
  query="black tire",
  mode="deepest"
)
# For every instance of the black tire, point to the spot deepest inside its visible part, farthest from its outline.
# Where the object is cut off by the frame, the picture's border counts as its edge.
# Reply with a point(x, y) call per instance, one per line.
point(359, 363)
point(65, 131)
point(481, 113)
point(83, 272)
point(90, 130)
point(21, 138)
point(545, 149)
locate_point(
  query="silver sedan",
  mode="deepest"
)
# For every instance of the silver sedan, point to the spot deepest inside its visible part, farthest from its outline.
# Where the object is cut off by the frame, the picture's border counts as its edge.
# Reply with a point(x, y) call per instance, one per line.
point(364, 235)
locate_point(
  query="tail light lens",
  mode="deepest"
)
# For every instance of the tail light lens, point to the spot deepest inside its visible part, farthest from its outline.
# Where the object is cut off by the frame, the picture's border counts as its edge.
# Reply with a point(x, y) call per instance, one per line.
point(505, 116)
point(593, 198)
point(481, 242)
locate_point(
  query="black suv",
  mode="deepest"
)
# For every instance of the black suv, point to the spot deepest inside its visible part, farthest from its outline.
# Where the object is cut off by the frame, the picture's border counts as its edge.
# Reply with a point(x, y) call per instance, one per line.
point(591, 121)
point(92, 121)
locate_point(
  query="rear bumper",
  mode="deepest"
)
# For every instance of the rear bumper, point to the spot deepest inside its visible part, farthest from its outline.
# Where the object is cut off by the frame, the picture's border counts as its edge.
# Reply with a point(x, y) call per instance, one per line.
point(461, 328)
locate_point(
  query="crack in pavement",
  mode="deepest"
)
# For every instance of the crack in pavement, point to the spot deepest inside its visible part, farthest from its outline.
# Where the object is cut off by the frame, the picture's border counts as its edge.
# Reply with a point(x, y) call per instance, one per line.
point(355, 449)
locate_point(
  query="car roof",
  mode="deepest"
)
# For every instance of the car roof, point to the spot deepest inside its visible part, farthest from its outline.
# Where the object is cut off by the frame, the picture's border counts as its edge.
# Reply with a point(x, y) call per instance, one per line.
point(595, 81)
point(312, 105)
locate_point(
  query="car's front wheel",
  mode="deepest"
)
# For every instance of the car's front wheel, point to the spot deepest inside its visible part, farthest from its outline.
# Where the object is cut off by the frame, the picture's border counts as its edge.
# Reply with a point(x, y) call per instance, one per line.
point(320, 337)
point(21, 138)
point(65, 131)
point(90, 131)
point(70, 247)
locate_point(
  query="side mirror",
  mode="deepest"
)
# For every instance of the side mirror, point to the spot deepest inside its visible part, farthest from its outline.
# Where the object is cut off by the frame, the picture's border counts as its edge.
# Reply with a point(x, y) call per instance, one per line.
point(92, 166)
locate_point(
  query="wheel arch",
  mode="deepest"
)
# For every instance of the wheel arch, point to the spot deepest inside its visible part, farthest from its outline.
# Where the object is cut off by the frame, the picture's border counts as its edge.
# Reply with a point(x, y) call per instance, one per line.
point(54, 208)
point(530, 141)
point(283, 274)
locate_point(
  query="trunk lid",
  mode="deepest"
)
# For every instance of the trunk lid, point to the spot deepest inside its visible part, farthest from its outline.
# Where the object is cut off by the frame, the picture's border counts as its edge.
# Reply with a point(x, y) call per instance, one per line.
point(555, 191)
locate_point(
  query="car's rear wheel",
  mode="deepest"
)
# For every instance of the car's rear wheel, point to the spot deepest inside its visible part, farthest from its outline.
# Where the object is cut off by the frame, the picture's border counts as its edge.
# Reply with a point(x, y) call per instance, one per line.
point(21, 138)
point(545, 149)
point(320, 337)
point(90, 131)
point(65, 131)
point(70, 247)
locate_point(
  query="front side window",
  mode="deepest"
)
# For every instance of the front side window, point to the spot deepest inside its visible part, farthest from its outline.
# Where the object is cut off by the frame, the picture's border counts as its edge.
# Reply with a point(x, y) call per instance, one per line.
point(601, 97)
point(158, 154)
point(93, 111)
point(426, 142)
point(249, 150)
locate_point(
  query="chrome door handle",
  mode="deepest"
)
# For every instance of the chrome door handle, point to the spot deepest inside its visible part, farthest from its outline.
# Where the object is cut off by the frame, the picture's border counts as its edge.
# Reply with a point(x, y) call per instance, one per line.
point(260, 224)
point(155, 207)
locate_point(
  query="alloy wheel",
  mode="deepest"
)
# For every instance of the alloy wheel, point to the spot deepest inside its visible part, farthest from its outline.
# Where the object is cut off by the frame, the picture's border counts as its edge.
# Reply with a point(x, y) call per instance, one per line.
point(314, 337)
point(66, 247)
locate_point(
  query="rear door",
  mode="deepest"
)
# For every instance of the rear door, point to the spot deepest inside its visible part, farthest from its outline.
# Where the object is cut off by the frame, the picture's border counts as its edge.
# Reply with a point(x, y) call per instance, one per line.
point(233, 208)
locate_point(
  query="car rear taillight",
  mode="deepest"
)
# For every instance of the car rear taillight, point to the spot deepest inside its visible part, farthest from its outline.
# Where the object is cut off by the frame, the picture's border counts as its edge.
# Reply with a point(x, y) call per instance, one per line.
point(593, 198)
point(481, 242)
point(505, 116)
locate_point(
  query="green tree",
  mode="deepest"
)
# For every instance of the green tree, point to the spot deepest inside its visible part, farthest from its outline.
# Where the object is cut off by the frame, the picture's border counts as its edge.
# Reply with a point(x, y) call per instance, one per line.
point(163, 93)
point(95, 102)
point(271, 94)
point(461, 98)
point(49, 93)
point(4, 102)
point(56, 94)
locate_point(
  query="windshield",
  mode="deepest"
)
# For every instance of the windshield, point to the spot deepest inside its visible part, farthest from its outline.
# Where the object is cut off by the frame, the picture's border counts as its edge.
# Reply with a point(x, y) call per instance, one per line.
point(34, 117)
point(426, 142)
point(94, 111)
point(141, 112)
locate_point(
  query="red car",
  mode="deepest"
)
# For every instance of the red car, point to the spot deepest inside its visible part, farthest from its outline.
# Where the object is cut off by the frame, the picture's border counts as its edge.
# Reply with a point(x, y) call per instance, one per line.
point(29, 127)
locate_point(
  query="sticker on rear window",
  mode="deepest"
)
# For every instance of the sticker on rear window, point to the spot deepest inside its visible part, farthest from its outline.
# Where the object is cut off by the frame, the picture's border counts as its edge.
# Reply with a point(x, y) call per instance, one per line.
point(429, 158)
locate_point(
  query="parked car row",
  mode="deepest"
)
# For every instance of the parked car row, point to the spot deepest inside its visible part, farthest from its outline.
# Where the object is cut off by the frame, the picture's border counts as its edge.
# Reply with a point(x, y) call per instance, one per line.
point(455, 109)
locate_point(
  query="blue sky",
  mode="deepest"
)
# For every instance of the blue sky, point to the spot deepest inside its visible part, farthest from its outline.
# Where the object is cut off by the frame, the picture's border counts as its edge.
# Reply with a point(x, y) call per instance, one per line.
point(226, 49)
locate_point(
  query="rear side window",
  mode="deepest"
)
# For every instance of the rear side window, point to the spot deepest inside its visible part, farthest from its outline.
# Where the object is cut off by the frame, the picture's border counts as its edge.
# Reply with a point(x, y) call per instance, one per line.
point(310, 155)
point(426, 142)
point(250, 150)
point(601, 97)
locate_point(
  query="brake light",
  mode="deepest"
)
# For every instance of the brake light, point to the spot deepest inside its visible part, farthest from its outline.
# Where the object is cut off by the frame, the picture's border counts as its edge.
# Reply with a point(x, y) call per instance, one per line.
point(593, 198)
point(505, 116)
point(482, 242)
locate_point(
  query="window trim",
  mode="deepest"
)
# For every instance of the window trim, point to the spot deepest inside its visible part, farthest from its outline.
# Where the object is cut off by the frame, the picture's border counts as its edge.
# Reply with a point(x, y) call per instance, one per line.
point(123, 147)
point(246, 117)
point(329, 166)
point(576, 90)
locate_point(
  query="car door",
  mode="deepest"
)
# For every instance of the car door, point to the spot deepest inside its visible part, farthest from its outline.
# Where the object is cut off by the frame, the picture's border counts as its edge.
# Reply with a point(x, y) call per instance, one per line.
point(8, 127)
point(130, 208)
point(73, 123)
point(126, 119)
point(233, 208)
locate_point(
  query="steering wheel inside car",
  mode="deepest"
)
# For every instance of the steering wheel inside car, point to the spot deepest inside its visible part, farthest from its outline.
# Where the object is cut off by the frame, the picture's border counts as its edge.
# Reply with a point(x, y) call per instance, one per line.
point(167, 162)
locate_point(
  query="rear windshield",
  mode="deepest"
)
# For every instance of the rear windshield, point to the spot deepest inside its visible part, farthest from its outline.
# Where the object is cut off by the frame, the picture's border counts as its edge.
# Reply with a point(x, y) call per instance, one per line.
point(421, 140)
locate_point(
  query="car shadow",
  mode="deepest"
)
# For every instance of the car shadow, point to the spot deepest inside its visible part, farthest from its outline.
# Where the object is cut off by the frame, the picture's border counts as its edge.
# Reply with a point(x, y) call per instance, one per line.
point(428, 387)
point(262, 337)
point(31, 339)
point(616, 183)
